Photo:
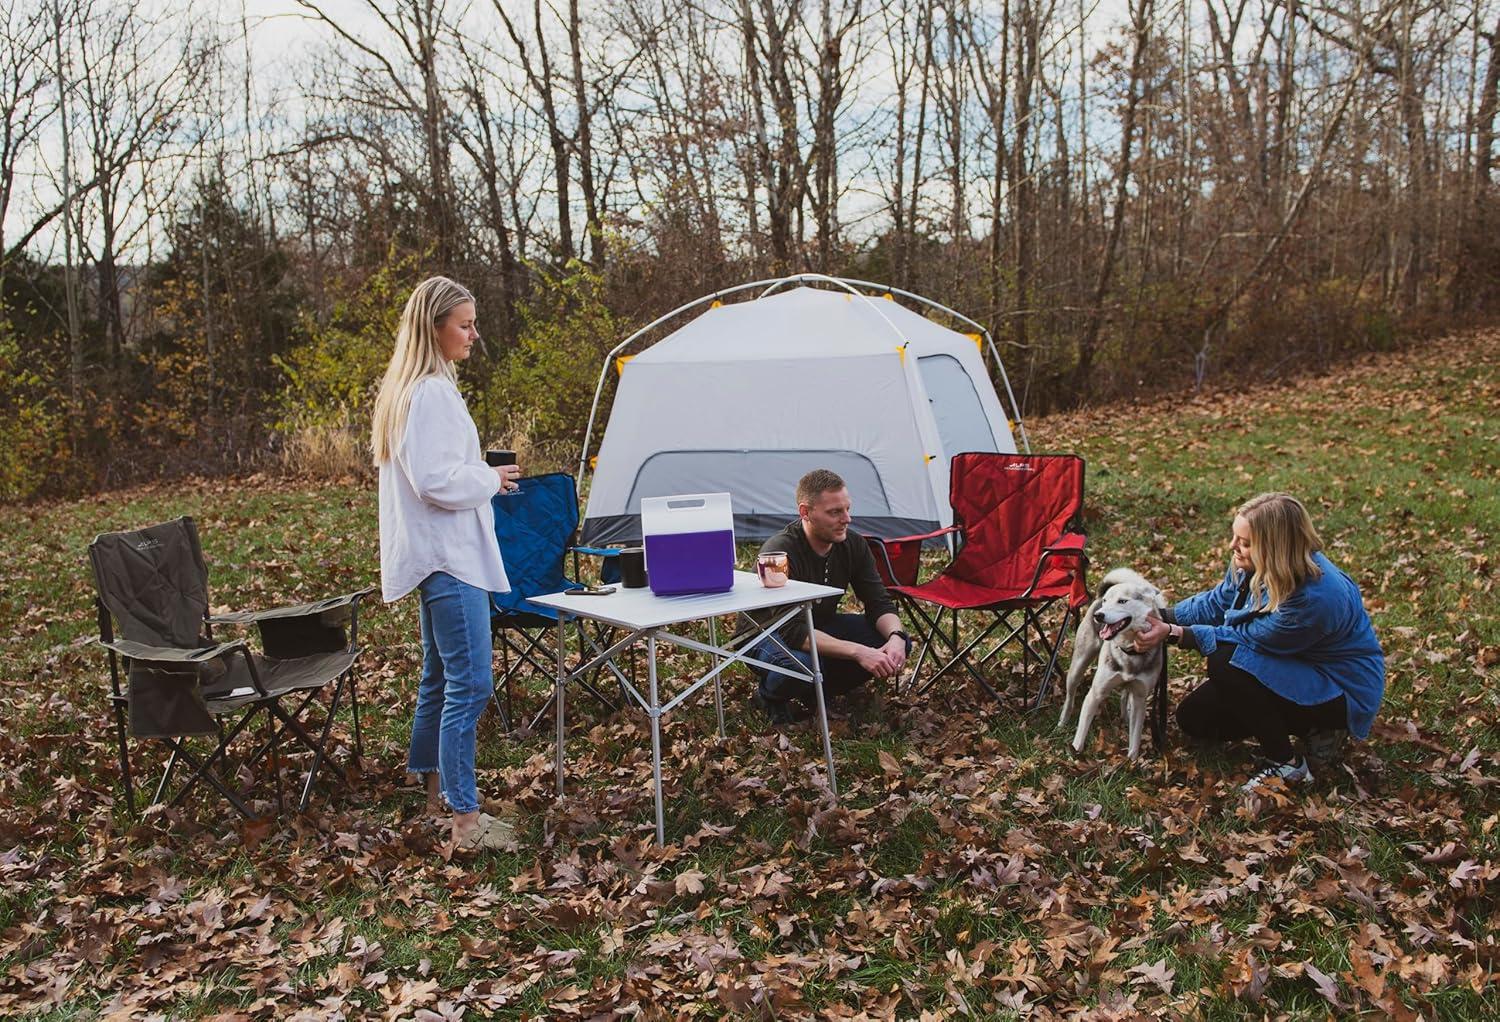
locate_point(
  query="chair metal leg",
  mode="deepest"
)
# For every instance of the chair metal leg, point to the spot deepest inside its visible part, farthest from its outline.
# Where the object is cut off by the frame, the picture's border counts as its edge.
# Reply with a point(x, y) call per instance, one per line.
point(932, 623)
point(509, 715)
point(319, 753)
point(359, 742)
point(1028, 618)
point(959, 657)
point(507, 710)
point(583, 683)
point(274, 760)
point(120, 735)
point(1062, 629)
point(530, 652)
point(202, 772)
point(1041, 647)
point(166, 775)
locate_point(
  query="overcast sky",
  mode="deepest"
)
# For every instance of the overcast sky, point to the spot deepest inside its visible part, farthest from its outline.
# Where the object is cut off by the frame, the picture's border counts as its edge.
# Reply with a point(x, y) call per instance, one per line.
point(282, 37)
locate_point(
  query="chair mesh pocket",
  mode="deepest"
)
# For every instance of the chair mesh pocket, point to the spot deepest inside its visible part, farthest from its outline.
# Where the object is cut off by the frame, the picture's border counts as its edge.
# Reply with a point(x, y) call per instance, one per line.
point(167, 702)
point(288, 638)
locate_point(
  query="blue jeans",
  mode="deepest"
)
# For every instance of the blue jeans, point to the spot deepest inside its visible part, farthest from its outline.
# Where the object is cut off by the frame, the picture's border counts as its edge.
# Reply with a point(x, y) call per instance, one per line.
point(456, 684)
point(839, 675)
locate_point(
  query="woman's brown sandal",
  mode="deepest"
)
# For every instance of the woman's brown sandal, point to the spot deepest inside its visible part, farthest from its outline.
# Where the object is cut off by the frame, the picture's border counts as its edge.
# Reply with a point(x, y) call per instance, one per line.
point(490, 833)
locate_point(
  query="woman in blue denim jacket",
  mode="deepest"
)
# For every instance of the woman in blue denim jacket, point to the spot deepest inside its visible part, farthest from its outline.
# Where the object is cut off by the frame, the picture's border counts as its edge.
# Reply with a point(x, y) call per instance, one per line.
point(1290, 647)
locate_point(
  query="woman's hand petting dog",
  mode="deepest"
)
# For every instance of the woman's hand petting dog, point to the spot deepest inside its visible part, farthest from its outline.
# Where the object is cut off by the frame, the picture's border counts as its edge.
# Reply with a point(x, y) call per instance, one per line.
point(1154, 634)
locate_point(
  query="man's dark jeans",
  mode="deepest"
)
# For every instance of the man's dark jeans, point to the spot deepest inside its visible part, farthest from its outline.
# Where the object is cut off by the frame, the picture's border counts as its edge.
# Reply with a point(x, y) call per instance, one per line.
point(839, 675)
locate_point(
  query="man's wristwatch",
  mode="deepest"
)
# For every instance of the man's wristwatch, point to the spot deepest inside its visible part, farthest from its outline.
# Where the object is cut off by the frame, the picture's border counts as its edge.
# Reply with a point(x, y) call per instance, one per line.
point(1174, 634)
point(900, 632)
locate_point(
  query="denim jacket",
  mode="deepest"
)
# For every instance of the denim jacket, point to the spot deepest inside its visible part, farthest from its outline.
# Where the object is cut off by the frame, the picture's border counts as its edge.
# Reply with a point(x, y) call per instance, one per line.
point(1318, 645)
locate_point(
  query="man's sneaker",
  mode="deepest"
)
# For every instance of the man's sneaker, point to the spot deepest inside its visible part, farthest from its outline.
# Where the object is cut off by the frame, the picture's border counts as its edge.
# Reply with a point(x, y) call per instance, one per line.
point(780, 711)
point(1291, 772)
point(1325, 746)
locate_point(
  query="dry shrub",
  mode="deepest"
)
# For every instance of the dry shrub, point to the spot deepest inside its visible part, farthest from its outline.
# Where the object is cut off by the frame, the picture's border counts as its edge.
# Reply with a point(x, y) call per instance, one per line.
point(327, 453)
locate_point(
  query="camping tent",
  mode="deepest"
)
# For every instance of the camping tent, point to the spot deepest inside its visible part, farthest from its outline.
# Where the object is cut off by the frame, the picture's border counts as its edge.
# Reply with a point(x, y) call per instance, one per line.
point(750, 395)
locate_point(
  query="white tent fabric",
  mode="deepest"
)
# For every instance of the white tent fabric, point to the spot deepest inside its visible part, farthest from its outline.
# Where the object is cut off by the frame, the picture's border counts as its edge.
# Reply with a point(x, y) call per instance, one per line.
point(749, 396)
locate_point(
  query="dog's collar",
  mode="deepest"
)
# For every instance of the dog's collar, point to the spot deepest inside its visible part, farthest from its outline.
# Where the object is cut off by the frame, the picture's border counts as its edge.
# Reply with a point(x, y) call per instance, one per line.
point(1132, 650)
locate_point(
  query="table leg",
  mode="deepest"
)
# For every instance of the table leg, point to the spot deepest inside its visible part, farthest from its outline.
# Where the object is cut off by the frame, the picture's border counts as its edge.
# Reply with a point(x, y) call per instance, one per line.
point(557, 698)
point(817, 671)
point(713, 640)
point(655, 710)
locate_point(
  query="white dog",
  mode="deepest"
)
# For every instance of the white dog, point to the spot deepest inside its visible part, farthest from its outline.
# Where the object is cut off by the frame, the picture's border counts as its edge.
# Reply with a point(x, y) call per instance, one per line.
point(1106, 633)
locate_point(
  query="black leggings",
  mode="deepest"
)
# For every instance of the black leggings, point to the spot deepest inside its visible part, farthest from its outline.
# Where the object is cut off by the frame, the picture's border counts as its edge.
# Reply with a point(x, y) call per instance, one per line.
point(1232, 704)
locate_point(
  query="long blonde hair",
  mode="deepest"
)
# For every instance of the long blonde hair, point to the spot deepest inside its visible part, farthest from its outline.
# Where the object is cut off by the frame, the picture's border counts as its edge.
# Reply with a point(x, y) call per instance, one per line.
point(1282, 544)
point(415, 357)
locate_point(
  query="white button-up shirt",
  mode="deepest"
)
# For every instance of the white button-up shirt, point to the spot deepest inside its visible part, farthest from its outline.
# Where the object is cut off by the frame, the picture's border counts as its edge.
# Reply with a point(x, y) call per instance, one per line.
point(435, 495)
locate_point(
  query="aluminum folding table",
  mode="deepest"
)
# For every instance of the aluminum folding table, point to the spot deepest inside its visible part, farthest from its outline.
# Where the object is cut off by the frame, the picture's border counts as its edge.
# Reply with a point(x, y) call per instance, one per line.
point(644, 615)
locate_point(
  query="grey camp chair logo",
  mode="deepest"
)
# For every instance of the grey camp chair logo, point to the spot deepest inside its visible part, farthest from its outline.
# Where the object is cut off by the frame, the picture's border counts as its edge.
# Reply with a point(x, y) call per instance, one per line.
point(148, 544)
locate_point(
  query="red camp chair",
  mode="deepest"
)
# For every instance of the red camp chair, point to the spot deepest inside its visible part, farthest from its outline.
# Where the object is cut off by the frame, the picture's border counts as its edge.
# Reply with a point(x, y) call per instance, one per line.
point(1018, 521)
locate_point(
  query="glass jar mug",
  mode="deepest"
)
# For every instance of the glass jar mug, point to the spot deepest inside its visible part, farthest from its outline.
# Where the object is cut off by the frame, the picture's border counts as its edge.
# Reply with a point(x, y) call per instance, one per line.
point(773, 568)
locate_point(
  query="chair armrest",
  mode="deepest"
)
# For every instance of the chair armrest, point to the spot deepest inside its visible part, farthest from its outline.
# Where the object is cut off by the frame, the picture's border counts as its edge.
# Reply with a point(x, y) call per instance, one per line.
point(886, 565)
point(248, 617)
point(919, 536)
point(170, 654)
point(1068, 546)
point(609, 558)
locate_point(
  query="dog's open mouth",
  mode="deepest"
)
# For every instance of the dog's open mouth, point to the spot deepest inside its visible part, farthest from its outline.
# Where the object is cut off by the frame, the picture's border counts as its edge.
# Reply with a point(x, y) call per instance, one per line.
point(1113, 628)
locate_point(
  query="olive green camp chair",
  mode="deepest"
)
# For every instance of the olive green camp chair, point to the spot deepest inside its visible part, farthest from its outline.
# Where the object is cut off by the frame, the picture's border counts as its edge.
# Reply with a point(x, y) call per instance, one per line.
point(170, 680)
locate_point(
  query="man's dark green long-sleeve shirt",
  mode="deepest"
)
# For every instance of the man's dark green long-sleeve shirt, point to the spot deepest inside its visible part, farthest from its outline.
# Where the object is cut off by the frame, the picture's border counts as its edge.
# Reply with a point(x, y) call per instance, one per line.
point(849, 563)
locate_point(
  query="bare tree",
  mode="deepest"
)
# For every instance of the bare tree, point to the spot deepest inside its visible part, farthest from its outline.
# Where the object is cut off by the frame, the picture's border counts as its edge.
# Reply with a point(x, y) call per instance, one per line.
point(991, 57)
point(1489, 105)
point(837, 54)
point(1029, 18)
point(1140, 19)
point(1363, 32)
point(396, 108)
point(908, 34)
point(484, 135)
point(26, 106)
point(770, 48)
point(132, 88)
point(542, 79)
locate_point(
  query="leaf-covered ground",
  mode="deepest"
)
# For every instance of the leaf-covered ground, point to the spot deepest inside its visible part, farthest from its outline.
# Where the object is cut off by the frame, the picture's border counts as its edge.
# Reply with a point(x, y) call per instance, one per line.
point(973, 867)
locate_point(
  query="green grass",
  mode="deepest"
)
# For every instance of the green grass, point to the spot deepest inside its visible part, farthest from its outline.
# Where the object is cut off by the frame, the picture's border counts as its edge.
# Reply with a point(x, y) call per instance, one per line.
point(990, 861)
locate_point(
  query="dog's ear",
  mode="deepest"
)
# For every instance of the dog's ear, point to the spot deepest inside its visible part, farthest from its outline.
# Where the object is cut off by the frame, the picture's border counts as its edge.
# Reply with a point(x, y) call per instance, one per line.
point(1158, 599)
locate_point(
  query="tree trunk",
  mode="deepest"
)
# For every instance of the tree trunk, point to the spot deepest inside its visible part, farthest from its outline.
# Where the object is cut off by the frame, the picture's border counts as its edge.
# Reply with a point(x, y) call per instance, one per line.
point(592, 224)
point(1140, 15)
point(70, 288)
point(1022, 184)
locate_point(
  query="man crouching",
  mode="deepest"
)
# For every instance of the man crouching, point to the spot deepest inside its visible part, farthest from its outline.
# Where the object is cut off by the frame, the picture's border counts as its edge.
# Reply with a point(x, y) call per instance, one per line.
point(852, 648)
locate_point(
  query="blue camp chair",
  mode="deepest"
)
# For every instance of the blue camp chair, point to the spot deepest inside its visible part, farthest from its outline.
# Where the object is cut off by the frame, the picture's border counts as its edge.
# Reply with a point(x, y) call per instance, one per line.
point(535, 526)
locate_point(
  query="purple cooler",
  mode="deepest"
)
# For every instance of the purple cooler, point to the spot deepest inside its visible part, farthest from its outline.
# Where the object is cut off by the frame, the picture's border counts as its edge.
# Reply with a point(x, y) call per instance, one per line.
point(689, 542)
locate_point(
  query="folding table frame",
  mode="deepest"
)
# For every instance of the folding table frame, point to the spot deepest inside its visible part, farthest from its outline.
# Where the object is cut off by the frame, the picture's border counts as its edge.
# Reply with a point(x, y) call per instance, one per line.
point(642, 615)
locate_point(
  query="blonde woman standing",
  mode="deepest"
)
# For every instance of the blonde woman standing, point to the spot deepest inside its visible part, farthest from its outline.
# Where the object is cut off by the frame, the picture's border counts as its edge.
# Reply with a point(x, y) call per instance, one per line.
point(1290, 647)
point(437, 536)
